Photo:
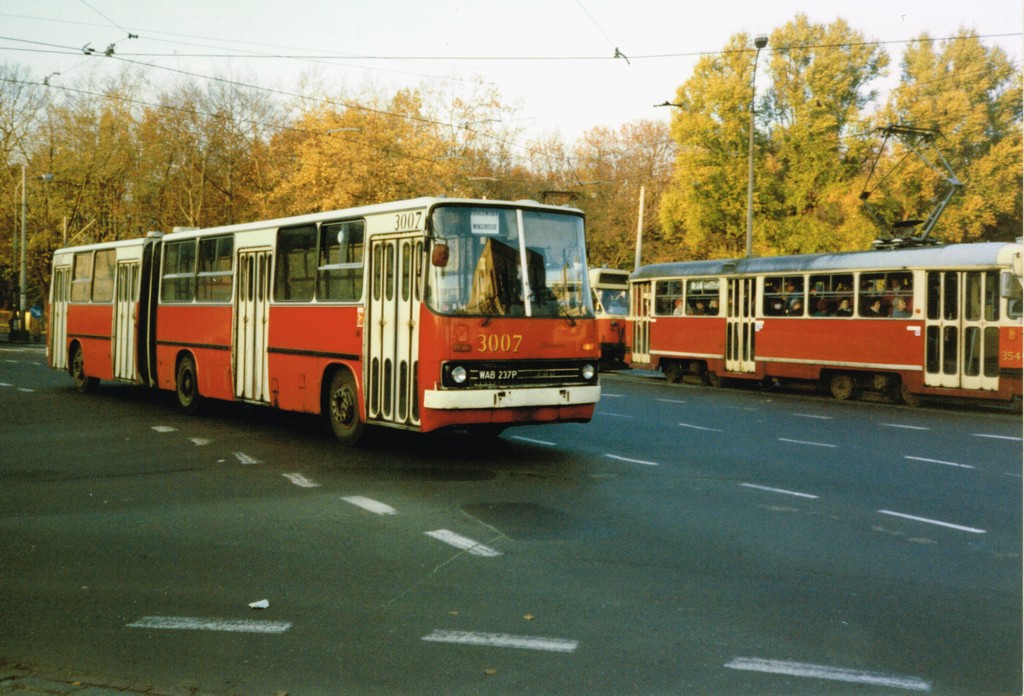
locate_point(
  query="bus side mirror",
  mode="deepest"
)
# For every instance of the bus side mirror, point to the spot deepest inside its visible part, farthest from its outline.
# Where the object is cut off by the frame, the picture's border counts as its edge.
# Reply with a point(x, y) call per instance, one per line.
point(440, 255)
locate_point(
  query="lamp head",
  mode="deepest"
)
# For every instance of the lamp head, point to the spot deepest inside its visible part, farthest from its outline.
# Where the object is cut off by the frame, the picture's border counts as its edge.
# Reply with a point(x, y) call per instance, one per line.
point(760, 41)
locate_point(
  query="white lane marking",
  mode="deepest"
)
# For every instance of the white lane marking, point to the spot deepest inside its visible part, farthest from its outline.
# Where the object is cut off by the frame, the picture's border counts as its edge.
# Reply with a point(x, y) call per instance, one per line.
point(244, 458)
point(778, 490)
point(999, 437)
point(699, 427)
point(531, 440)
point(164, 429)
point(199, 441)
point(631, 461)
point(501, 640)
point(903, 427)
point(939, 461)
point(5, 384)
point(188, 623)
point(854, 676)
point(672, 401)
point(370, 505)
point(605, 395)
point(813, 415)
point(301, 481)
point(805, 442)
point(958, 527)
point(26, 390)
point(465, 543)
point(615, 415)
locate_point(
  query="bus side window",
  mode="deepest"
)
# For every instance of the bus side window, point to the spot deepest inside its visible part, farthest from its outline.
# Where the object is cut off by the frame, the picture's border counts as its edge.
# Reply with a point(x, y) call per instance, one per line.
point(103, 276)
point(295, 265)
point(214, 280)
point(340, 269)
point(178, 283)
point(81, 279)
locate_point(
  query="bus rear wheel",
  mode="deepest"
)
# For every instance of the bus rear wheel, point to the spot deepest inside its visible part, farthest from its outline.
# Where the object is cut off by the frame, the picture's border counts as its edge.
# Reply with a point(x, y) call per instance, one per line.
point(343, 409)
point(187, 387)
point(83, 382)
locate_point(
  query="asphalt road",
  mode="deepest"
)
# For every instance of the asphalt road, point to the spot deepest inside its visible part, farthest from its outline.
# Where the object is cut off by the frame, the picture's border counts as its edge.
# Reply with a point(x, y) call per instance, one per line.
point(688, 540)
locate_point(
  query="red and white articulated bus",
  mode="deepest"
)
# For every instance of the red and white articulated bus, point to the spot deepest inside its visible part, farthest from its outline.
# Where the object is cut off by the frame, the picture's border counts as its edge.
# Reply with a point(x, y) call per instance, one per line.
point(931, 321)
point(610, 288)
point(414, 315)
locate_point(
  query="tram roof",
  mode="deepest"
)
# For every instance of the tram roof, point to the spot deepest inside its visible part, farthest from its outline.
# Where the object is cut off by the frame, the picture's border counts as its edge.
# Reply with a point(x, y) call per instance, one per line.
point(947, 256)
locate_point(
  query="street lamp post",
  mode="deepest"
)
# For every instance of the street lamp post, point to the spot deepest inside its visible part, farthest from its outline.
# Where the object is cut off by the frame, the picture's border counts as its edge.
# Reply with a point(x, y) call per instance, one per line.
point(23, 274)
point(760, 41)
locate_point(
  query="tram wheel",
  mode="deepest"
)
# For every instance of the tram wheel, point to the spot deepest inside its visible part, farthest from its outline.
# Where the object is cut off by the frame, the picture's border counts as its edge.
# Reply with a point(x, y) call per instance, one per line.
point(83, 382)
point(674, 372)
point(842, 386)
point(343, 409)
point(907, 397)
point(187, 385)
point(713, 380)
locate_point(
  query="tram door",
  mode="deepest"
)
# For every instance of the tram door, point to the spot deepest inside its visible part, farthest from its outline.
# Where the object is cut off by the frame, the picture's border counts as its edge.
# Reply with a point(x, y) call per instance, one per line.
point(392, 330)
point(252, 317)
point(740, 325)
point(640, 298)
point(962, 330)
point(60, 297)
point(126, 297)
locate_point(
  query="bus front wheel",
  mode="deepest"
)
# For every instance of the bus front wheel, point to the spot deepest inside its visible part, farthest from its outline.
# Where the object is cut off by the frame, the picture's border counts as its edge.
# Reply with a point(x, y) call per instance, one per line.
point(343, 408)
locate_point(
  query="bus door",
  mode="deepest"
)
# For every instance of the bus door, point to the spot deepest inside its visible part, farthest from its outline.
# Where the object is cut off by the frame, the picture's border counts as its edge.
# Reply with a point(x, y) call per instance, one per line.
point(640, 298)
point(60, 295)
point(740, 325)
point(252, 315)
point(962, 330)
point(390, 385)
point(123, 336)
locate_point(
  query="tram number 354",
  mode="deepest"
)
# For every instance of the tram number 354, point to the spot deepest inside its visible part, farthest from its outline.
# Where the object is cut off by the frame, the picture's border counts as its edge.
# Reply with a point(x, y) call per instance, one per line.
point(494, 343)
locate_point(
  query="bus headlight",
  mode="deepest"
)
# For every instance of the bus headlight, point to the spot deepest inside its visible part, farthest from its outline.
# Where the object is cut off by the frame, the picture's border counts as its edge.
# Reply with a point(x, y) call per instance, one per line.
point(459, 375)
point(588, 372)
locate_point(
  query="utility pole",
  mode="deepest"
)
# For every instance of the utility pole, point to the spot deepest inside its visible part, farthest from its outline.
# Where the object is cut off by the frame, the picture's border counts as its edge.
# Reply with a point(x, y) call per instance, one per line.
point(760, 41)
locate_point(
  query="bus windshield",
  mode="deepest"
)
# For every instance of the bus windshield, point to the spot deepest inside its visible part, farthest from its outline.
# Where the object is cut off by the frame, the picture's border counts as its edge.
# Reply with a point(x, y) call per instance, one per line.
point(487, 250)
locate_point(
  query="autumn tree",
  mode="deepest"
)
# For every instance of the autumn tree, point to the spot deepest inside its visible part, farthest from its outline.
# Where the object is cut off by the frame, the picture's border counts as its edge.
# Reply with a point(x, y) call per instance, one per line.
point(357, 154)
point(814, 111)
point(809, 145)
point(703, 212)
point(610, 167)
point(972, 96)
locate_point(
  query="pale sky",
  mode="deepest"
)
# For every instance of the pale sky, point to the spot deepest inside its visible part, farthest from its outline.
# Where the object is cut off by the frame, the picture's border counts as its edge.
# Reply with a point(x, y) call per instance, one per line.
point(553, 58)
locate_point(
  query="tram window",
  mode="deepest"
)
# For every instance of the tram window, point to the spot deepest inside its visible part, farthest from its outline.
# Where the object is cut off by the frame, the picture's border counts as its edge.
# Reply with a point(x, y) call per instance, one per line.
point(784, 296)
point(103, 276)
point(972, 299)
point(668, 298)
point(1013, 292)
point(340, 273)
point(951, 296)
point(992, 296)
point(702, 298)
point(295, 272)
point(214, 280)
point(178, 283)
point(890, 294)
point(81, 283)
point(830, 295)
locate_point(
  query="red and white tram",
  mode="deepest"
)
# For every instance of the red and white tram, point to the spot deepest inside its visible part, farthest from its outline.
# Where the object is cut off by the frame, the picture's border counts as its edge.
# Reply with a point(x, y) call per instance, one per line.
point(940, 321)
point(446, 330)
point(610, 288)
